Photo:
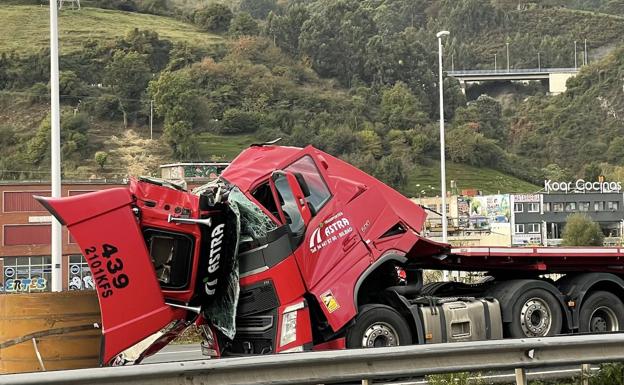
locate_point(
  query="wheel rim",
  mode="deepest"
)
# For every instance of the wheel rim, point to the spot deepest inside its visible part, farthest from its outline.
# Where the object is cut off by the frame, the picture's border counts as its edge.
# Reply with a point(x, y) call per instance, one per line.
point(603, 319)
point(535, 318)
point(380, 334)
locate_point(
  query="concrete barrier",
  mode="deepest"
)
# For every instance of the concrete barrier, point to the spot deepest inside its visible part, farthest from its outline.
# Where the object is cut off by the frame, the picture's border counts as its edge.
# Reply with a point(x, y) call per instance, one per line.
point(62, 327)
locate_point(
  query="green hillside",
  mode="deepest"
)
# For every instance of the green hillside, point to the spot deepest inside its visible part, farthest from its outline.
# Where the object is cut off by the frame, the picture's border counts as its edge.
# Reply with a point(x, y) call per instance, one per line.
point(219, 80)
point(25, 29)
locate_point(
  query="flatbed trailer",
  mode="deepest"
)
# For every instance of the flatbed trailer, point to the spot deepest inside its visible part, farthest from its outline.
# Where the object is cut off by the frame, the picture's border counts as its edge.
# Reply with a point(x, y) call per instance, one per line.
point(535, 259)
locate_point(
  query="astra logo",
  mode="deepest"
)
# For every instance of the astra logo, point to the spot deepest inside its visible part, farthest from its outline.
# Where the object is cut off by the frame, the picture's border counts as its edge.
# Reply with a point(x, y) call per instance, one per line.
point(329, 231)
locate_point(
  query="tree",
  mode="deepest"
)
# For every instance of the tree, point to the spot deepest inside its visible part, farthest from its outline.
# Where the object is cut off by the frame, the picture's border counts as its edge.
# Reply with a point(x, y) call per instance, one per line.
point(258, 8)
point(335, 38)
point(100, 158)
point(285, 30)
point(244, 25)
point(128, 75)
point(580, 230)
point(215, 17)
point(400, 109)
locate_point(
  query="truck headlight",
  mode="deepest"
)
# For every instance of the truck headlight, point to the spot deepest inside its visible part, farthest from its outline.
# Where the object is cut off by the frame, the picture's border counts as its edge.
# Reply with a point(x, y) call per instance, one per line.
point(289, 328)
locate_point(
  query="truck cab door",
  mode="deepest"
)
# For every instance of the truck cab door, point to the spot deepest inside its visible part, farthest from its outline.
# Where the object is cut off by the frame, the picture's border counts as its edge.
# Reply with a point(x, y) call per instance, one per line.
point(131, 302)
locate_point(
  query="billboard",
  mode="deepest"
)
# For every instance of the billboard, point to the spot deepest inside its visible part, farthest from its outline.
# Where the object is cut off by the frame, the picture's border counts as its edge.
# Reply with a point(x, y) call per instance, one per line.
point(481, 211)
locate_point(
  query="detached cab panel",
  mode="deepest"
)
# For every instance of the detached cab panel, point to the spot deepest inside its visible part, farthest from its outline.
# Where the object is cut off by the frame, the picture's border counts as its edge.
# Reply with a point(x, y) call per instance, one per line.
point(131, 301)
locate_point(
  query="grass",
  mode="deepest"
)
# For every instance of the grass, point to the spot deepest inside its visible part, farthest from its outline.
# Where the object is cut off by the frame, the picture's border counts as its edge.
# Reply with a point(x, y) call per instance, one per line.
point(222, 147)
point(427, 178)
point(25, 29)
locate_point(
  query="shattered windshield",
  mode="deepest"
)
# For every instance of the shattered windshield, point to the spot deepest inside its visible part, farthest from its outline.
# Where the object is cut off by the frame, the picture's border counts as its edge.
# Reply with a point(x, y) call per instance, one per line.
point(248, 221)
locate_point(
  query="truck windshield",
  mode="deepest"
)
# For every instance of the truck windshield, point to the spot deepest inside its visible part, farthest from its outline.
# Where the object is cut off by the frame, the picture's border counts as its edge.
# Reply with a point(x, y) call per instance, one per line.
point(289, 205)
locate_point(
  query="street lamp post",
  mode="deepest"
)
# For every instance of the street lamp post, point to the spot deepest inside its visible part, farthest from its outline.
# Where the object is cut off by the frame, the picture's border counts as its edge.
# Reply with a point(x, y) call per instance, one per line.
point(442, 155)
point(507, 43)
point(55, 143)
point(494, 62)
point(539, 62)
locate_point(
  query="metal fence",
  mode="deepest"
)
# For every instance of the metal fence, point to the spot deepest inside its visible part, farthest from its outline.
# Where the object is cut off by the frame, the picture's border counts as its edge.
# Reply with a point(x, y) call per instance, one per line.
point(353, 365)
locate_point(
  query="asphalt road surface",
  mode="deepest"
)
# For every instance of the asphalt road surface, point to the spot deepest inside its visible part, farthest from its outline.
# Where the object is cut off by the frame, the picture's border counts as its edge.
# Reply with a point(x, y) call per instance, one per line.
point(172, 353)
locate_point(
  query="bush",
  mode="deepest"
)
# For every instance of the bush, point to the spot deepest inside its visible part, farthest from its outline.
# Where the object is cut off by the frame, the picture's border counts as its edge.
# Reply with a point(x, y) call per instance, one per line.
point(580, 230)
point(105, 107)
point(244, 25)
point(38, 93)
point(238, 122)
point(214, 18)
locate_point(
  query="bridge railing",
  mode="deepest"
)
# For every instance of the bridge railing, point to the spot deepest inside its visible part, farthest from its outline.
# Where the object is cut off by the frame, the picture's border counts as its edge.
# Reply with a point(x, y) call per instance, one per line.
point(353, 365)
point(512, 71)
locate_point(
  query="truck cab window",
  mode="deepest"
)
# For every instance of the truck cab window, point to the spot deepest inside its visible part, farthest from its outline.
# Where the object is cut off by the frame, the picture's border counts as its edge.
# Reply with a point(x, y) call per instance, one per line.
point(289, 205)
point(264, 196)
point(319, 193)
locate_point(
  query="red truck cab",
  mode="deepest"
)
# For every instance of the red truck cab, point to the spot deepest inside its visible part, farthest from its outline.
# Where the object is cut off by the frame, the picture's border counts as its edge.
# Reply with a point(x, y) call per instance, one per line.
point(295, 250)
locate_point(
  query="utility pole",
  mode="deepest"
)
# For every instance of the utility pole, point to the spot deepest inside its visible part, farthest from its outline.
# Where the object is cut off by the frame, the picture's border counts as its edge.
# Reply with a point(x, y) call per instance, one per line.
point(575, 58)
point(151, 119)
point(539, 62)
point(495, 63)
point(585, 58)
point(453, 62)
point(439, 35)
point(56, 247)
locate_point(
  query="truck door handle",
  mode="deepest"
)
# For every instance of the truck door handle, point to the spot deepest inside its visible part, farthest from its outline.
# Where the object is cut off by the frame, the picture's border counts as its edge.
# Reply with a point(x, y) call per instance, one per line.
point(349, 242)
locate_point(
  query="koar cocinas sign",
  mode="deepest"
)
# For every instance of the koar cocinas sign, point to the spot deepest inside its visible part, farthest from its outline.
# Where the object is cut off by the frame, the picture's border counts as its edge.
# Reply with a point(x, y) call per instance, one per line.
point(580, 185)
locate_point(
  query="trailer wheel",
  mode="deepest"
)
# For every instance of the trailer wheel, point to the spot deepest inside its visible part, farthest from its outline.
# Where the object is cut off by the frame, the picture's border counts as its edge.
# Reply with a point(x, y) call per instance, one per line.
point(378, 326)
point(536, 313)
point(601, 312)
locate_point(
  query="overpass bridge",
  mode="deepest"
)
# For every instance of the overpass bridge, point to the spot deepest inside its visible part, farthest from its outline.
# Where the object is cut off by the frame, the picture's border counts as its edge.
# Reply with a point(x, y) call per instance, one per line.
point(556, 77)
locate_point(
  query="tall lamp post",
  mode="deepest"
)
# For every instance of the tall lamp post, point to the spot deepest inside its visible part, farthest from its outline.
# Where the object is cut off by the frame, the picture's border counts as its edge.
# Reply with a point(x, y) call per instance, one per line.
point(442, 155)
point(507, 43)
point(55, 142)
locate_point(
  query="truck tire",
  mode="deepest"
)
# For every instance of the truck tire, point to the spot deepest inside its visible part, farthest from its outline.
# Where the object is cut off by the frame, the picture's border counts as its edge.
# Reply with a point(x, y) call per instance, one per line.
point(601, 312)
point(378, 326)
point(536, 313)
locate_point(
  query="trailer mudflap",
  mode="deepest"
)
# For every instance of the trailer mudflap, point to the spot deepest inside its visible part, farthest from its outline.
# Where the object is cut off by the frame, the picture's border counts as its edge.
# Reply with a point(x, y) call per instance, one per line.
point(131, 301)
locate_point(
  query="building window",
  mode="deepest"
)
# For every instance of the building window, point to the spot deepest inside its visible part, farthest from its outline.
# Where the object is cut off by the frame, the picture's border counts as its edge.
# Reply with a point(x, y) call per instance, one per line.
point(448, 208)
point(547, 207)
point(79, 274)
point(570, 206)
point(557, 207)
point(599, 206)
point(534, 228)
point(518, 208)
point(612, 206)
point(533, 208)
point(583, 206)
point(519, 228)
point(27, 274)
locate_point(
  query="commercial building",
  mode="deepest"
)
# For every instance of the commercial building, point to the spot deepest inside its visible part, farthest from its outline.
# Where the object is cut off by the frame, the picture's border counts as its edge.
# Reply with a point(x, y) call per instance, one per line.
point(25, 260)
point(540, 218)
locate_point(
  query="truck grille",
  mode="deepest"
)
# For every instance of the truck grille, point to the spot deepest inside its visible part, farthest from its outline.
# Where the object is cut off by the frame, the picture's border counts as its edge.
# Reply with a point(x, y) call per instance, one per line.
point(254, 324)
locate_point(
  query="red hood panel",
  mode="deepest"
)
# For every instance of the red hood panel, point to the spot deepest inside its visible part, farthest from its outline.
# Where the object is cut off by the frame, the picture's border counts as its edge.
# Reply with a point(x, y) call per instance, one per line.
point(131, 301)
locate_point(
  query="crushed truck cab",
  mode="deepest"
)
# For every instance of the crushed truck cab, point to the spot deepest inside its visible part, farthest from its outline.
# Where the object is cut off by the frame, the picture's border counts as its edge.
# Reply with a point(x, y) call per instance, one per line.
point(290, 250)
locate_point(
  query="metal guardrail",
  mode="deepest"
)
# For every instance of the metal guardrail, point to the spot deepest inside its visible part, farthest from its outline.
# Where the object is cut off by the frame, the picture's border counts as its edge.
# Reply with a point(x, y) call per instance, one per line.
point(352, 365)
point(512, 71)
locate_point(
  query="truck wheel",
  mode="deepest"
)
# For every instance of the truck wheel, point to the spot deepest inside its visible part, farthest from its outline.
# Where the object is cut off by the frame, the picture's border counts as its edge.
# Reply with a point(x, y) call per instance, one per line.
point(536, 313)
point(378, 326)
point(601, 312)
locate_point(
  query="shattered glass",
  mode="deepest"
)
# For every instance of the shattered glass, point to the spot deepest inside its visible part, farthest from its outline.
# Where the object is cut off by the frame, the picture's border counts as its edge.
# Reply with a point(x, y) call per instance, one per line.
point(249, 222)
